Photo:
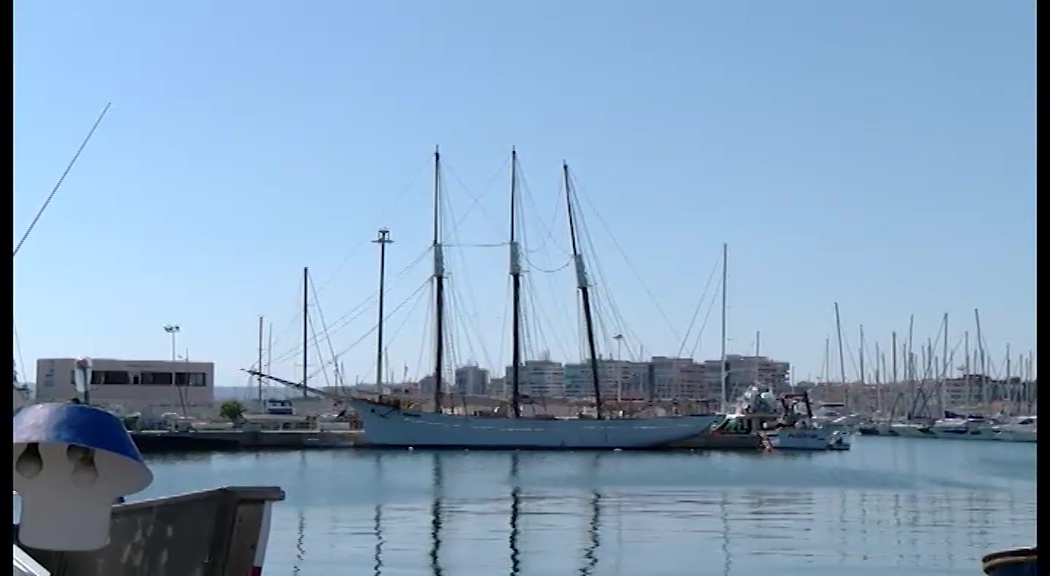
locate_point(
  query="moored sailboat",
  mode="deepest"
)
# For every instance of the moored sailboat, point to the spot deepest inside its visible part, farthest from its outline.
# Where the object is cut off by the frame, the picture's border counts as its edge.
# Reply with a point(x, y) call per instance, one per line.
point(391, 424)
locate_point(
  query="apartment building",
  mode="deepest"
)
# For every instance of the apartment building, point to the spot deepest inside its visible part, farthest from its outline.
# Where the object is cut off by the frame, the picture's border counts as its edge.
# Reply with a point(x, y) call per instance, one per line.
point(745, 371)
point(661, 378)
point(542, 378)
point(677, 378)
point(618, 378)
point(471, 380)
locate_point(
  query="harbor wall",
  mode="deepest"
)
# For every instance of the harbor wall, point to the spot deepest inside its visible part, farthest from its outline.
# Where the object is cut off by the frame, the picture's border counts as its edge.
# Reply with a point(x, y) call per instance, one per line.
point(219, 532)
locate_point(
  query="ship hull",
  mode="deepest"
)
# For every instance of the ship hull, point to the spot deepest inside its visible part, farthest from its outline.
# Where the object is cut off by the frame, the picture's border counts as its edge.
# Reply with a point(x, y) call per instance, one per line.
point(388, 426)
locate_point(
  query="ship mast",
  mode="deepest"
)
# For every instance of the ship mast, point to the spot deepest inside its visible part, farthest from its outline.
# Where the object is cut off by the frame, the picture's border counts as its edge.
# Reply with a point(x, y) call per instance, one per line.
point(439, 286)
point(585, 296)
point(515, 275)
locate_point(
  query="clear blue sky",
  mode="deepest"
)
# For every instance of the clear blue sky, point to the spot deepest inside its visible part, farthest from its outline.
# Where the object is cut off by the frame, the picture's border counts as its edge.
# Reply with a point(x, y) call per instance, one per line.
point(877, 154)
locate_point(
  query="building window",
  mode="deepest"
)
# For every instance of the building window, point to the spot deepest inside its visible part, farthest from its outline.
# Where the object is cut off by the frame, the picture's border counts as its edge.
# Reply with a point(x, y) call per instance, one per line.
point(110, 377)
point(156, 378)
point(196, 379)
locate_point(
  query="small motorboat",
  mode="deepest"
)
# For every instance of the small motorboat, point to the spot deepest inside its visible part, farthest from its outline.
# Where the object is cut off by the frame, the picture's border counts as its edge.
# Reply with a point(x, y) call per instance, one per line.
point(1016, 562)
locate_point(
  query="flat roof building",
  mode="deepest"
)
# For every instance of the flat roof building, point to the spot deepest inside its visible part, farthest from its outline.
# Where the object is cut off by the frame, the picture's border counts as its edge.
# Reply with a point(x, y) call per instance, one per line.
point(132, 384)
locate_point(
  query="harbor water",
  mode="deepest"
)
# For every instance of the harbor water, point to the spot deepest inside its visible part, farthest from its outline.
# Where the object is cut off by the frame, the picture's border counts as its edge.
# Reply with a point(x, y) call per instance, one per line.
point(890, 506)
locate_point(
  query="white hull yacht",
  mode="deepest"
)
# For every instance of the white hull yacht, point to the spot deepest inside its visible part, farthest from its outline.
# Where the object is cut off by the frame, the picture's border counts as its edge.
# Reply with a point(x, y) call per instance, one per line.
point(1021, 429)
point(388, 425)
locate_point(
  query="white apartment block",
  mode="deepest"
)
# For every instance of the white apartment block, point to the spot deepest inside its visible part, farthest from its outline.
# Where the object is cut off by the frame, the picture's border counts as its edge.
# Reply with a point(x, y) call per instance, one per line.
point(618, 378)
point(471, 380)
point(745, 371)
point(132, 384)
point(677, 378)
point(661, 378)
point(541, 378)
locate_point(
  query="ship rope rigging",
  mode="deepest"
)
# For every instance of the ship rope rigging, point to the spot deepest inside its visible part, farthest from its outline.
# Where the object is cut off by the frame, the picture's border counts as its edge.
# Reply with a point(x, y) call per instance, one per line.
point(464, 330)
point(707, 314)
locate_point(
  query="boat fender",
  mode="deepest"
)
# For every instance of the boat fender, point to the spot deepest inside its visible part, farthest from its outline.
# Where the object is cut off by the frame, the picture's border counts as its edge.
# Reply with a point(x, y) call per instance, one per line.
point(71, 463)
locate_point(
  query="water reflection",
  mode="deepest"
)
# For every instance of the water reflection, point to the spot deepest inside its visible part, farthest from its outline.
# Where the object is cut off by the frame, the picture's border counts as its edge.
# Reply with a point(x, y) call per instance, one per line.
point(435, 513)
point(541, 513)
point(377, 520)
point(515, 512)
point(723, 511)
point(300, 543)
point(590, 552)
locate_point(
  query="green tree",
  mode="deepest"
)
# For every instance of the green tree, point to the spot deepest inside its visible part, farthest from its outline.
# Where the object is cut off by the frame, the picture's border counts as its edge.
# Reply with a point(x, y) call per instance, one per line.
point(231, 410)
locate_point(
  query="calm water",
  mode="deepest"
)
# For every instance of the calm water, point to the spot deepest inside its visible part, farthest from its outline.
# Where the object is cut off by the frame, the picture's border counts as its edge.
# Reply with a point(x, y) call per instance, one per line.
point(890, 506)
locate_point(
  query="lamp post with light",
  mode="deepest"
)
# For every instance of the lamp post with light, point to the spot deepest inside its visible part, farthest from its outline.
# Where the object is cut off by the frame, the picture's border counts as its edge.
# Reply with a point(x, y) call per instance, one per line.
point(173, 330)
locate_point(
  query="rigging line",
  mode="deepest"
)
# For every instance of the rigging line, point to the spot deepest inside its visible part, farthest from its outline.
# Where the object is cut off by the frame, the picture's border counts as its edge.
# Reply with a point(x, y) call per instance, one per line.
point(408, 316)
point(703, 325)
point(425, 168)
point(544, 270)
point(505, 335)
point(605, 292)
point(623, 254)
point(538, 334)
point(476, 319)
point(340, 324)
point(455, 313)
point(602, 287)
point(852, 357)
point(476, 199)
point(497, 245)
point(317, 350)
point(320, 316)
point(61, 179)
point(469, 285)
point(355, 312)
point(700, 304)
point(560, 325)
point(558, 207)
point(425, 340)
point(386, 318)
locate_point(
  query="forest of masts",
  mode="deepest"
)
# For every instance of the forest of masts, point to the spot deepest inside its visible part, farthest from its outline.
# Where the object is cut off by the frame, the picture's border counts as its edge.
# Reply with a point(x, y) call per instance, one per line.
point(913, 377)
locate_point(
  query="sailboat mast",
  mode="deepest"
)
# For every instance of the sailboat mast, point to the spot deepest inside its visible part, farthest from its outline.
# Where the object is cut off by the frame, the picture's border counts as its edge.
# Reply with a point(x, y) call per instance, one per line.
point(863, 373)
point(259, 378)
point(306, 324)
point(515, 276)
point(842, 357)
point(585, 296)
point(439, 287)
point(893, 346)
point(722, 369)
point(383, 239)
point(981, 360)
point(942, 395)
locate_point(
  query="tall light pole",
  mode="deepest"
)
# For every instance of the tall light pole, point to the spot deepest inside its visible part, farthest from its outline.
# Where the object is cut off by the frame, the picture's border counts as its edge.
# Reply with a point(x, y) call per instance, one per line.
point(619, 368)
point(173, 330)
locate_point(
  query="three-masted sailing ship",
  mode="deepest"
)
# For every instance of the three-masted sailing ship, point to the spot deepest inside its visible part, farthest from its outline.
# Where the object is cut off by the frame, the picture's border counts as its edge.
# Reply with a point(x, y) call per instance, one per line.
point(391, 424)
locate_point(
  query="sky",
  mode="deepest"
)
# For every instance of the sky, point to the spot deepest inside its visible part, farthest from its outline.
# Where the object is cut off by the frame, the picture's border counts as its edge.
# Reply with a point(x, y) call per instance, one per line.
point(878, 155)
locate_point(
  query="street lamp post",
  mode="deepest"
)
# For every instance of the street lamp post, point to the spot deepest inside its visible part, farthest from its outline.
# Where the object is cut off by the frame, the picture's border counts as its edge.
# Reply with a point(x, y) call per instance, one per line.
point(173, 330)
point(619, 368)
